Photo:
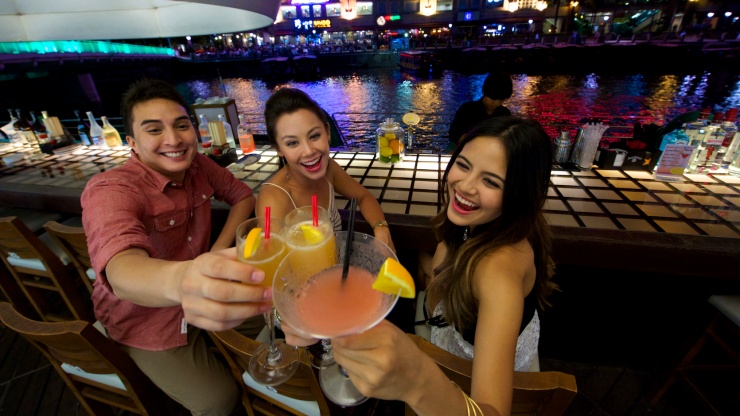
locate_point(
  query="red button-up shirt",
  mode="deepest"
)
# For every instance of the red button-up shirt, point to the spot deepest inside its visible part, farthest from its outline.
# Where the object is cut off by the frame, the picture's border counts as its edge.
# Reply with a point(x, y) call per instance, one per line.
point(134, 206)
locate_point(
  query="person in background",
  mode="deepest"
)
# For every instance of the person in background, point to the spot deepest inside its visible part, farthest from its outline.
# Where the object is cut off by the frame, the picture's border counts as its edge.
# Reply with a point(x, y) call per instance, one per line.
point(497, 88)
point(158, 283)
point(298, 129)
point(492, 271)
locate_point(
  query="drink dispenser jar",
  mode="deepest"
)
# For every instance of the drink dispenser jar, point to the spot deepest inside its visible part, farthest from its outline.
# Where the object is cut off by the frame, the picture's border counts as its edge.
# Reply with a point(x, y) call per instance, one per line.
point(390, 142)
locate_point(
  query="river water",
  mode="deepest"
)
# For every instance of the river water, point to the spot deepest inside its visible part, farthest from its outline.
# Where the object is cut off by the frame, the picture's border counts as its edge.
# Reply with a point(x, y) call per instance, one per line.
point(361, 99)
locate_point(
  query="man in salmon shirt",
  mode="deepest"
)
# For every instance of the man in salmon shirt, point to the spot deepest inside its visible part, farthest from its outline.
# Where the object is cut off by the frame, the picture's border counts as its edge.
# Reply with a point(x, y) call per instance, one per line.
point(158, 283)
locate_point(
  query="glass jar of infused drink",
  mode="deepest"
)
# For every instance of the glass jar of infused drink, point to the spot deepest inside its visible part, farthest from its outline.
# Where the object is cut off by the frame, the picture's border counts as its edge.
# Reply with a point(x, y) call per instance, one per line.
point(389, 139)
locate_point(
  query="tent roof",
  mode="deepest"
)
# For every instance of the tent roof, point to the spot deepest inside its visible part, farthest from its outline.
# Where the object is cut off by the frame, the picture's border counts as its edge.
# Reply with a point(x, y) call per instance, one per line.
point(36, 20)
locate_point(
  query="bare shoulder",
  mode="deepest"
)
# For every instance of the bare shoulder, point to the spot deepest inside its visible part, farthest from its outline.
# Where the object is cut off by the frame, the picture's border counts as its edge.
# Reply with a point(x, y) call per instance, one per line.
point(275, 197)
point(513, 261)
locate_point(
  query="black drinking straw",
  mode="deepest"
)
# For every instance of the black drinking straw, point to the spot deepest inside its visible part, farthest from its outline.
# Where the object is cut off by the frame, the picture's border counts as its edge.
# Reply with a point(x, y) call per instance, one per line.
point(350, 235)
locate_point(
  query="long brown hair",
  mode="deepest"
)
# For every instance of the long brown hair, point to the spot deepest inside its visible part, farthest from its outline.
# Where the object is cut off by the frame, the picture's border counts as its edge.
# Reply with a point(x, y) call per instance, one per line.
point(529, 161)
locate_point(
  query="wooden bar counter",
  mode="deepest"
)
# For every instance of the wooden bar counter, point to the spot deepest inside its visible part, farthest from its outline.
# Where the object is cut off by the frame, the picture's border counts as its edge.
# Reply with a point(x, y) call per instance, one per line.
point(623, 220)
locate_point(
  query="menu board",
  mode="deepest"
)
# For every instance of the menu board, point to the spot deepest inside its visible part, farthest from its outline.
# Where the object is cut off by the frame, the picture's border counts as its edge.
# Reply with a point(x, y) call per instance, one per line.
point(673, 161)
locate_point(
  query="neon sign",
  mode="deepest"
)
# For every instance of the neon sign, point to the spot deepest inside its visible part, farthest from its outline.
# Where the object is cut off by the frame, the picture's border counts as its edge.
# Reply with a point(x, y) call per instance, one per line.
point(312, 24)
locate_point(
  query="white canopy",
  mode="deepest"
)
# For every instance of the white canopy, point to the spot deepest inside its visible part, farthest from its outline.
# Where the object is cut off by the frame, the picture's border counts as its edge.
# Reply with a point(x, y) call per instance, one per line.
point(38, 20)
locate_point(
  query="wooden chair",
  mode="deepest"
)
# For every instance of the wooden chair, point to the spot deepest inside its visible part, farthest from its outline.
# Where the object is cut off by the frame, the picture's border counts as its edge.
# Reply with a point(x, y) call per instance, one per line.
point(54, 290)
point(73, 242)
point(710, 370)
point(12, 293)
point(300, 395)
point(546, 393)
point(101, 376)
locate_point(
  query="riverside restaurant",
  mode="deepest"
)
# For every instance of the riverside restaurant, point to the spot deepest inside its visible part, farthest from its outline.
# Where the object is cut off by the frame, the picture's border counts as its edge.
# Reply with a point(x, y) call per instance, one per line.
point(637, 256)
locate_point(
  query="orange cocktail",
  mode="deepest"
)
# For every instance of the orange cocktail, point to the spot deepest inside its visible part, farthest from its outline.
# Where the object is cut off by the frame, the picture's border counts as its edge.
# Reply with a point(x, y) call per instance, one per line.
point(275, 362)
point(314, 246)
point(263, 253)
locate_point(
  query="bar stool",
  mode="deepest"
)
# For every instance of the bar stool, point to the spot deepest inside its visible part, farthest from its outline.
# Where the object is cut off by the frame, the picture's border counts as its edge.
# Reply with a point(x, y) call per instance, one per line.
point(713, 360)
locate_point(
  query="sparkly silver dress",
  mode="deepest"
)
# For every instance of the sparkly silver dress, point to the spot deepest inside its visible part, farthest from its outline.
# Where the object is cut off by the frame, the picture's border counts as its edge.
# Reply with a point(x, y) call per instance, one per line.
point(452, 341)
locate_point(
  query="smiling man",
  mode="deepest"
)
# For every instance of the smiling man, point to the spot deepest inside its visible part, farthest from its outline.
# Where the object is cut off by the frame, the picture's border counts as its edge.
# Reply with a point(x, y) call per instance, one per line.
point(158, 283)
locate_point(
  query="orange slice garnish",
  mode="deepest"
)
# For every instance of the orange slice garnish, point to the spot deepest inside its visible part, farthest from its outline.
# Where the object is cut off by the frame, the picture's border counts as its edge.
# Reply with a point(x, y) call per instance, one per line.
point(393, 277)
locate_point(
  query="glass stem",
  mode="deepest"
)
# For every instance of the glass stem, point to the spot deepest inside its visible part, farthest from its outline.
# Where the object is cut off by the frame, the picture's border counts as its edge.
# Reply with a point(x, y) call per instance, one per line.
point(273, 352)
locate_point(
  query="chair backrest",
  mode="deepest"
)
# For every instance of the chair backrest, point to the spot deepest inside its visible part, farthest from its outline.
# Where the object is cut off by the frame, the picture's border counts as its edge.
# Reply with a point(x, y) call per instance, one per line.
point(73, 241)
point(55, 291)
point(547, 393)
point(99, 374)
point(12, 293)
point(292, 396)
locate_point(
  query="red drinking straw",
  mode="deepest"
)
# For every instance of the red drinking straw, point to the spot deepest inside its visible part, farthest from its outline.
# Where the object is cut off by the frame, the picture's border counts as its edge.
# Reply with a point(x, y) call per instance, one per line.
point(267, 223)
point(315, 210)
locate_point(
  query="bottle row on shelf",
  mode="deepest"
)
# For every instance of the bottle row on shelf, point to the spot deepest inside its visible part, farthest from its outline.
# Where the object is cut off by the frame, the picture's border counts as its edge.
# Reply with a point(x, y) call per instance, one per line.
point(50, 132)
point(714, 139)
point(215, 136)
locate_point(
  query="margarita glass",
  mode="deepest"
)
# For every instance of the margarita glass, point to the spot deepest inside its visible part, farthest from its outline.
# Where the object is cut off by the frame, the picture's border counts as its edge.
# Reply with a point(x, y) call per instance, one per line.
point(321, 305)
point(274, 362)
point(312, 238)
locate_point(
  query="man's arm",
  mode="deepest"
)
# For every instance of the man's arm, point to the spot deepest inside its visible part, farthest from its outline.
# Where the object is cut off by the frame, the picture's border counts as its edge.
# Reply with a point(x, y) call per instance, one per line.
point(210, 288)
point(239, 212)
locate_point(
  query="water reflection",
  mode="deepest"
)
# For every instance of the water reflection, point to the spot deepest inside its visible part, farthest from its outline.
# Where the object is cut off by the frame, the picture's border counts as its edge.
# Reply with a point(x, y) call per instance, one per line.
point(371, 95)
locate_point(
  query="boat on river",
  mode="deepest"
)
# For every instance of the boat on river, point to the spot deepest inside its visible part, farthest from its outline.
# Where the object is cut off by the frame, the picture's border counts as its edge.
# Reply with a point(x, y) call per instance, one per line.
point(419, 61)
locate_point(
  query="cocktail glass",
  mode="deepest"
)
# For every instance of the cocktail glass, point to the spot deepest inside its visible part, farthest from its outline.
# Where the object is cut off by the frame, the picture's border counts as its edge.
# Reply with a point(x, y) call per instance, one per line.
point(274, 362)
point(315, 249)
point(321, 305)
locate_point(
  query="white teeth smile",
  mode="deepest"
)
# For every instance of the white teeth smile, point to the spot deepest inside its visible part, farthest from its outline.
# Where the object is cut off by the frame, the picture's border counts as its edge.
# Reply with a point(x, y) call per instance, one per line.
point(174, 154)
point(465, 202)
point(312, 162)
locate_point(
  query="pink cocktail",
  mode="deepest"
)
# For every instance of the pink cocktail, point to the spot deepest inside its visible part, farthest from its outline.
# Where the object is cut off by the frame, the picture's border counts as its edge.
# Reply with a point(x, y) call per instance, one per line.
point(321, 305)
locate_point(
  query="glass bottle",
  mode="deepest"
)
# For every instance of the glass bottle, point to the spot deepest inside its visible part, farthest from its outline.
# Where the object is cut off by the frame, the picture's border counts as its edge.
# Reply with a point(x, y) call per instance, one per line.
point(734, 168)
point(390, 144)
point(42, 134)
point(732, 137)
point(110, 134)
point(562, 147)
point(10, 130)
point(23, 127)
point(229, 132)
point(205, 135)
point(704, 149)
point(246, 139)
point(82, 129)
point(96, 132)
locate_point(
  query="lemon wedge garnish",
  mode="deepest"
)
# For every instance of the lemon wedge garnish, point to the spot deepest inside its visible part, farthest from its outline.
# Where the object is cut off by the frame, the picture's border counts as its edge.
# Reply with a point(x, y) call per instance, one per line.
point(311, 234)
point(252, 242)
point(394, 277)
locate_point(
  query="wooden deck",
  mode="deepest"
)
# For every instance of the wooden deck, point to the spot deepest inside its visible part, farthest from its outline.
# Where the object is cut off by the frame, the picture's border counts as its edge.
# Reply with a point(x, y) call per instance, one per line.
point(30, 386)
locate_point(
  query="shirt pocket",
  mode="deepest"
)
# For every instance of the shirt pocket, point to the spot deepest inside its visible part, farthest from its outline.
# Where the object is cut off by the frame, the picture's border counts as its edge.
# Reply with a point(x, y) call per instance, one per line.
point(203, 197)
point(166, 222)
